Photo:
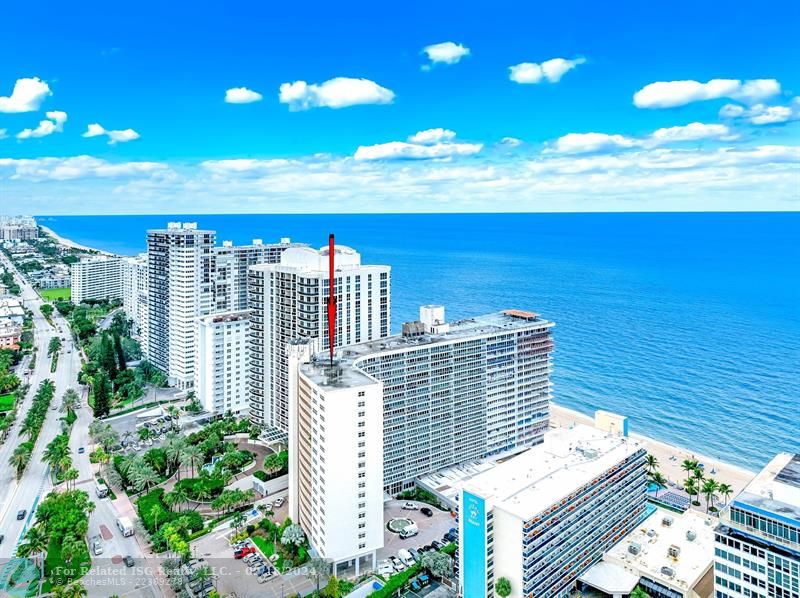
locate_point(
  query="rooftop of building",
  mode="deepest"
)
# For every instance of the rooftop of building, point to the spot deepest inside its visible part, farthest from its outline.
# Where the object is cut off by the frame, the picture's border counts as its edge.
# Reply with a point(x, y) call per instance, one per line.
point(225, 317)
point(344, 372)
point(670, 548)
point(568, 458)
point(776, 488)
point(304, 258)
point(258, 243)
point(182, 228)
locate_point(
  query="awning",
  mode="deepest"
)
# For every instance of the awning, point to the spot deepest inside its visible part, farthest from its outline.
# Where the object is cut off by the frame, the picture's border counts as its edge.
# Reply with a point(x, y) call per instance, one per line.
point(610, 578)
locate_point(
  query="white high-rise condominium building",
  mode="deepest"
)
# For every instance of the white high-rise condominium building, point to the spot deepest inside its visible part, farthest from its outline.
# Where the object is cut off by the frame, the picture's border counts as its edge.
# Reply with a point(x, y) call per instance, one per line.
point(543, 517)
point(757, 542)
point(231, 264)
point(96, 277)
point(222, 362)
point(438, 395)
point(288, 301)
point(180, 281)
point(134, 295)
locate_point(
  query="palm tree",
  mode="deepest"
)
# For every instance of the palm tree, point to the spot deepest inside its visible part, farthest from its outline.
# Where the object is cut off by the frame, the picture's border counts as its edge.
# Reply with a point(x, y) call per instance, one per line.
point(20, 458)
point(709, 488)
point(73, 590)
point(238, 521)
point(659, 480)
point(155, 511)
point(691, 487)
point(689, 465)
point(194, 456)
point(203, 574)
point(70, 476)
point(181, 495)
point(143, 476)
point(171, 499)
point(36, 542)
point(725, 490)
point(70, 400)
point(652, 463)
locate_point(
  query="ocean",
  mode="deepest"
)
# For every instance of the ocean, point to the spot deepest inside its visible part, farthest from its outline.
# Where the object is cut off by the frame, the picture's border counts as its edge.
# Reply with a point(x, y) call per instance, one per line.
point(687, 323)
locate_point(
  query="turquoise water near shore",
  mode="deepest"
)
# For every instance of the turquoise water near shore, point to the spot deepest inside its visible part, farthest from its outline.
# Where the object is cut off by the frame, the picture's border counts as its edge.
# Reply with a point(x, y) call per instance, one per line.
point(688, 323)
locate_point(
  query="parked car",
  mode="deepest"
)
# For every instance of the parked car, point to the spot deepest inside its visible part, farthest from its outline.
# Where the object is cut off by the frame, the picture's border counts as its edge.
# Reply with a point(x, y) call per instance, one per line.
point(243, 552)
point(426, 548)
point(396, 563)
point(414, 554)
point(21, 514)
point(437, 545)
point(97, 548)
point(2, 537)
point(410, 506)
point(427, 511)
point(449, 537)
point(385, 568)
point(128, 560)
point(81, 450)
point(278, 502)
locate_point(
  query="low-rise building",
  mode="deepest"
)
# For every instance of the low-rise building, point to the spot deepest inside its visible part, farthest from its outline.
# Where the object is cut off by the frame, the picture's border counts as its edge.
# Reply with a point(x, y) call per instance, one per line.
point(669, 555)
point(757, 543)
point(222, 362)
point(542, 518)
point(11, 309)
point(96, 277)
point(10, 334)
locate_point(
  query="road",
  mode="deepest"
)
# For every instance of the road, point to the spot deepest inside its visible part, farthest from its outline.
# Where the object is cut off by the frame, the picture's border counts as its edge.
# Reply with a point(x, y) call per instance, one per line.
point(36, 482)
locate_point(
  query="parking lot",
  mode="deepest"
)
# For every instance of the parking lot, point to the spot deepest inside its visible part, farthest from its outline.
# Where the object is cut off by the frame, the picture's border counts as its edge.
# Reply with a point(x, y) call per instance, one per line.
point(430, 528)
point(128, 426)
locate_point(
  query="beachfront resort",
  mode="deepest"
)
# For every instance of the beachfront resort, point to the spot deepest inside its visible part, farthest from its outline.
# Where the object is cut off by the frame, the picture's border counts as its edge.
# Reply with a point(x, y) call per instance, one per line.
point(251, 403)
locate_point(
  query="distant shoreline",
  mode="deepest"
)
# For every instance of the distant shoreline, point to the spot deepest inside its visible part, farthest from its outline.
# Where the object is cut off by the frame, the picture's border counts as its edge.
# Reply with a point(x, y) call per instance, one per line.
point(68, 243)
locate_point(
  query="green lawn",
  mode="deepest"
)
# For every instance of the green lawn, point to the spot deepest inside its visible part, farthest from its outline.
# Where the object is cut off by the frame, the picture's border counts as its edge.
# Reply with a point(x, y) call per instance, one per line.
point(6, 402)
point(55, 294)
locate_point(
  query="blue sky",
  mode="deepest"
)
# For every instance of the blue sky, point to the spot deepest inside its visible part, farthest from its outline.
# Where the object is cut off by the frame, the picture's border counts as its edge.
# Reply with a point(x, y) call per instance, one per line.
point(152, 79)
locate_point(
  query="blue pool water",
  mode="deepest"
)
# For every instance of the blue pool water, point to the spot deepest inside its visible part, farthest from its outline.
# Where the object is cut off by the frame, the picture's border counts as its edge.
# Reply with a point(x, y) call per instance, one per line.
point(688, 323)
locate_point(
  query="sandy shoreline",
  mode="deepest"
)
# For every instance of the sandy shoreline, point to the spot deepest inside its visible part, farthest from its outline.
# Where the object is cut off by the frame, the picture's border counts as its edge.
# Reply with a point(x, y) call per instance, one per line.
point(737, 477)
point(67, 243)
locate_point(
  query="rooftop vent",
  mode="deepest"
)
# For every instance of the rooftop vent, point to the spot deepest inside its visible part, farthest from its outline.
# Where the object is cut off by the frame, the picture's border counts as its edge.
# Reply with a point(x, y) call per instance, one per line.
point(674, 551)
point(634, 548)
point(667, 521)
point(667, 572)
point(691, 535)
point(413, 329)
point(651, 533)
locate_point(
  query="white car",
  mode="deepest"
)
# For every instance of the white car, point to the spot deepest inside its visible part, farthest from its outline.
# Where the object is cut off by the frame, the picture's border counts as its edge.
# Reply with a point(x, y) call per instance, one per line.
point(278, 502)
point(410, 506)
point(385, 568)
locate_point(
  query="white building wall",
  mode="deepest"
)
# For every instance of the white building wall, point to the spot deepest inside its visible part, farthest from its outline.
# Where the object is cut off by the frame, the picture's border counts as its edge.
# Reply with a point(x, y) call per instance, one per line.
point(96, 278)
point(222, 362)
point(289, 300)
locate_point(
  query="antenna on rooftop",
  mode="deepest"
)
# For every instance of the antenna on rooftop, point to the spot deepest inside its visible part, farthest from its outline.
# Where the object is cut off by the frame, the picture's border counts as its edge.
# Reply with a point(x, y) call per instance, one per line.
point(331, 298)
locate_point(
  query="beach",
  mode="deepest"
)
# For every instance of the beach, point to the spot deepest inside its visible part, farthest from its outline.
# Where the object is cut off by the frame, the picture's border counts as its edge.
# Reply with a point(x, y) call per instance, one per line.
point(736, 477)
point(71, 244)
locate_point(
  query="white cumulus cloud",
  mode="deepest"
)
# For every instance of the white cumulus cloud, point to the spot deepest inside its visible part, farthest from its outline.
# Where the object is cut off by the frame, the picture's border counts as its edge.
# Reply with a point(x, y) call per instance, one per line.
point(27, 95)
point(78, 167)
point(3, 133)
point(761, 114)
point(424, 145)
point(584, 143)
point(53, 124)
point(432, 136)
point(552, 70)
point(115, 136)
point(445, 52)
point(242, 95)
point(669, 94)
point(339, 92)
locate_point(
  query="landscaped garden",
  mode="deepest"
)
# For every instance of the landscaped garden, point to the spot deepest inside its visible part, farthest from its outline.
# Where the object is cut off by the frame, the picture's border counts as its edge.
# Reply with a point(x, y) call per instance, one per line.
point(62, 294)
point(287, 540)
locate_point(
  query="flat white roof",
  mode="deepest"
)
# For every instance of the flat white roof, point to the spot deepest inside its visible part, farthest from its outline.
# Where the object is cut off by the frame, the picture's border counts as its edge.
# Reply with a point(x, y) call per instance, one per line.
point(568, 458)
point(776, 488)
point(654, 540)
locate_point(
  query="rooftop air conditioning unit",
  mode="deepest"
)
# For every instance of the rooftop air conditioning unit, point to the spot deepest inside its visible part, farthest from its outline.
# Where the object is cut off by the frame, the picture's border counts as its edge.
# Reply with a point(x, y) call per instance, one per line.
point(634, 548)
point(691, 535)
point(667, 572)
point(674, 551)
point(667, 521)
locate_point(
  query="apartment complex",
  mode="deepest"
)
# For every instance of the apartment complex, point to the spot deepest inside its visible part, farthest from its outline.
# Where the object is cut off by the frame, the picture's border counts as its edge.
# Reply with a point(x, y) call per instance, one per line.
point(336, 460)
point(180, 271)
point(134, 295)
point(231, 264)
point(288, 301)
point(757, 543)
point(96, 277)
point(222, 362)
point(18, 228)
point(543, 517)
point(405, 406)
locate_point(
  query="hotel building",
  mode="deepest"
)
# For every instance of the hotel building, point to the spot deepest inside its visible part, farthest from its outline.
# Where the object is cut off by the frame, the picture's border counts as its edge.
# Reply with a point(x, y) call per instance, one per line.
point(180, 280)
point(134, 295)
point(18, 228)
point(757, 543)
point(437, 395)
point(288, 301)
point(222, 362)
point(231, 265)
point(543, 517)
point(97, 277)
